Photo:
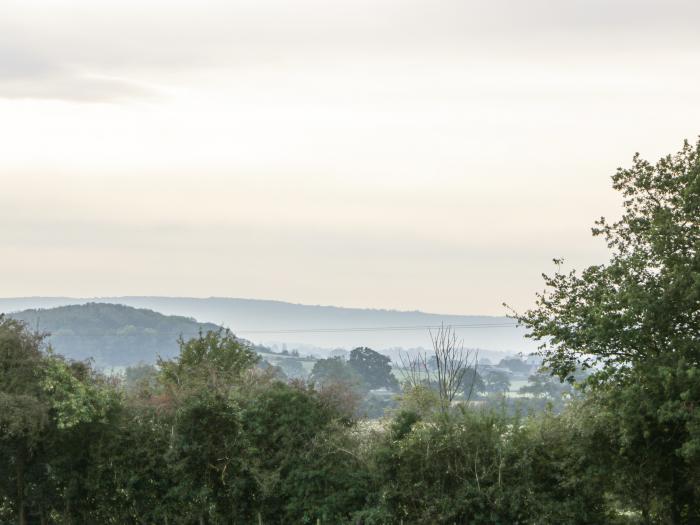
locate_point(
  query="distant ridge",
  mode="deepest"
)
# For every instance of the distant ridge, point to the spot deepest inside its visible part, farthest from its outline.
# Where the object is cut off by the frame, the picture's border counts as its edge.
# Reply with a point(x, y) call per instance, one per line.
point(265, 321)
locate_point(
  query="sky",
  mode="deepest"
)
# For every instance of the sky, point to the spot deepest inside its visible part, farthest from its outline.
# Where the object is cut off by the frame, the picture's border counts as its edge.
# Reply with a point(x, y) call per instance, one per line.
point(405, 154)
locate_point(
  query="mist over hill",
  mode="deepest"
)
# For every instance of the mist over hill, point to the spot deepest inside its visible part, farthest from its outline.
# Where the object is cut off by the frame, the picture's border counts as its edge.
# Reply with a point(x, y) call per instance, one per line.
point(297, 325)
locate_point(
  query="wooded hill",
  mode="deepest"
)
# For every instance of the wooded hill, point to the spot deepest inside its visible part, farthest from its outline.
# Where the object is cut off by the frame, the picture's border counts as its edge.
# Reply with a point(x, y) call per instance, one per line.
point(112, 334)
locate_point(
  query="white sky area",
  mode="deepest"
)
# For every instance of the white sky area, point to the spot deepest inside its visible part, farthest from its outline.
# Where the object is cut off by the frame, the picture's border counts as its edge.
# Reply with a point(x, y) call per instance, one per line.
point(408, 154)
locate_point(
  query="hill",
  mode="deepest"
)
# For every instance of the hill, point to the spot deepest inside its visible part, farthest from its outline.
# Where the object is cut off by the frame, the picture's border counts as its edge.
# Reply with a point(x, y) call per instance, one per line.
point(112, 334)
point(297, 325)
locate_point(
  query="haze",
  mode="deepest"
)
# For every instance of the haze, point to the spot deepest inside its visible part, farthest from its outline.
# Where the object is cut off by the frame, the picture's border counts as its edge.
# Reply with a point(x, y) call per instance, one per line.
point(388, 154)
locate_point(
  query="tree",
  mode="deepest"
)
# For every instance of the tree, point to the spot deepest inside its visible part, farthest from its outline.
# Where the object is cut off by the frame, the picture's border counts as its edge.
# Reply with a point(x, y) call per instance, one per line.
point(335, 371)
point(215, 358)
point(24, 407)
point(443, 371)
point(635, 324)
point(452, 362)
point(285, 426)
point(82, 417)
point(374, 368)
point(472, 383)
point(515, 365)
point(208, 457)
point(544, 385)
point(497, 381)
point(484, 467)
point(48, 405)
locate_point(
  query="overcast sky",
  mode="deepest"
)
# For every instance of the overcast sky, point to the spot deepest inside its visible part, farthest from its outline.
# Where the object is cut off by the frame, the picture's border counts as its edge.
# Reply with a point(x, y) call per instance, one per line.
point(409, 154)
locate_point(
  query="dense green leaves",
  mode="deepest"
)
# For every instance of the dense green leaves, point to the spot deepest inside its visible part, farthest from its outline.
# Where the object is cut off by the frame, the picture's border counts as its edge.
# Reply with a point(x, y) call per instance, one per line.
point(336, 371)
point(635, 324)
point(373, 367)
point(216, 440)
point(213, 360)
point(645, 303)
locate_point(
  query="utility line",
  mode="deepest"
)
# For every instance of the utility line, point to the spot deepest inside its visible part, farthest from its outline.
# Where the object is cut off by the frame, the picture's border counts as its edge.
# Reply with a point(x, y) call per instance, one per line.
point(373, 328)
point(349, 329)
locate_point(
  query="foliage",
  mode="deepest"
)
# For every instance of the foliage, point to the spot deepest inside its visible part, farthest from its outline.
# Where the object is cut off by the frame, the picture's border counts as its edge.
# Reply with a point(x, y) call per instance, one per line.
point(73, 397)
point(643, 304)
point(472, 383)
point(542, 384)
point(515, 365)
point(296, 469)
point(484, 467)
point(420, 399)
point(255, 449)
point(373, 367)
point(216, 359)
point(496, 381)
point(635, 324)
point(207, 456)
point(335, 370)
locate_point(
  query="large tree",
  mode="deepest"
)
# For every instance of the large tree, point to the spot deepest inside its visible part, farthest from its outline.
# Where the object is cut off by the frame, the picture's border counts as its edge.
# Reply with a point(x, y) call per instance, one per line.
point(634, 322)
point(373, 367)
point(50, 410)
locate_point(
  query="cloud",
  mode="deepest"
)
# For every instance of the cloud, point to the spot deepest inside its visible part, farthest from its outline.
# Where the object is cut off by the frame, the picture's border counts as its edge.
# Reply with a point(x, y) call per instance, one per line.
point(410, 145)
point(24, 73)
point(76, 51)
point(72, 87)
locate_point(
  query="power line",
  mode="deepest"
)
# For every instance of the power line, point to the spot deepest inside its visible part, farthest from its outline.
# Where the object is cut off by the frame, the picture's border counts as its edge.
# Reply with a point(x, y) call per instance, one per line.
point(350, 329)
point(373, 328)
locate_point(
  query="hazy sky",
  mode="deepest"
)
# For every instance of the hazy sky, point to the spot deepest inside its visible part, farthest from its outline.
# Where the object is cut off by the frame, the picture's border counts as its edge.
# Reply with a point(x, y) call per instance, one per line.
point(411, 154)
